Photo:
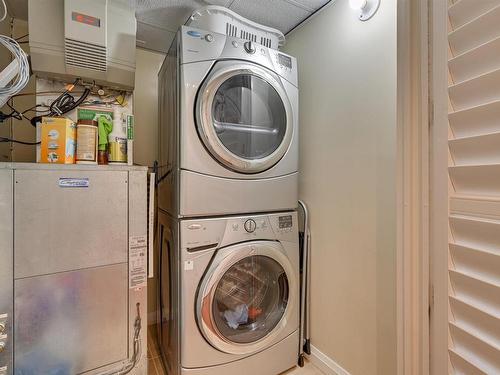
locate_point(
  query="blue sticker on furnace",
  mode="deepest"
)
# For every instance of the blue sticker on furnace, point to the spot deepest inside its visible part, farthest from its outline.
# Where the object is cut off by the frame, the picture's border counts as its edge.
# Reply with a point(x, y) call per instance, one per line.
point(69, 182)
point(195, 34)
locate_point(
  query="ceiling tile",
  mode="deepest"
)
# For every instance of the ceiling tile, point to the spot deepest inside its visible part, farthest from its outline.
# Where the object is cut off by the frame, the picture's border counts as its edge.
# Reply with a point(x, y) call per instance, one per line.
point(279, 14)
point(311, 5)
point(154, 38)
point(170, 14)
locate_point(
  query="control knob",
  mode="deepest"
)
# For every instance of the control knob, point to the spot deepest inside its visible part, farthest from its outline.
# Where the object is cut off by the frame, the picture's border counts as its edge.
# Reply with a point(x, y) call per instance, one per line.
point(2, 346)
point(249, 47)
point(250, 225)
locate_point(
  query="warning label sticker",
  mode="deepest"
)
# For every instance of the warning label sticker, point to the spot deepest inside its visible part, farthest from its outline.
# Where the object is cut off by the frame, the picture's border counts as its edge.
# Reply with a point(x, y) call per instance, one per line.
point(137, 261)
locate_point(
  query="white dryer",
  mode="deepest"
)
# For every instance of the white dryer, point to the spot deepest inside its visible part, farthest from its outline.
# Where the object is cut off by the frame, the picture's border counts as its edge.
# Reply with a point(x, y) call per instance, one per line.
point(228, 139)
point(229, 294)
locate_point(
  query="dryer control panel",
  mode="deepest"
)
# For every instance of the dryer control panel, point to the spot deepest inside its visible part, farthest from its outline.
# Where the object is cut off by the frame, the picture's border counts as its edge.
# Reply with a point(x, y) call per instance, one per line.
point(199, 45)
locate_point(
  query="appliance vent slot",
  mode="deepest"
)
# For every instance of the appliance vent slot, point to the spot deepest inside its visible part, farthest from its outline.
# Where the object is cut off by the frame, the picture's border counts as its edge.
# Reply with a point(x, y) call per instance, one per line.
point(248, 36)
point(85, 55)
point(231, 30)
point(265, 41)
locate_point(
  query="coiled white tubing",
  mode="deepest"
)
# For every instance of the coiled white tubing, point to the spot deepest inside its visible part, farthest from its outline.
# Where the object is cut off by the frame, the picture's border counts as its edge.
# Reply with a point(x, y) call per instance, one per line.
point(4, 11)
point(23, 76)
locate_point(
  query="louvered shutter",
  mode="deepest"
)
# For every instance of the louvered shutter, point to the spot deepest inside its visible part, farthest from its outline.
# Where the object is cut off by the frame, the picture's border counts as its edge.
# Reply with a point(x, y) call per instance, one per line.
point(474, 145)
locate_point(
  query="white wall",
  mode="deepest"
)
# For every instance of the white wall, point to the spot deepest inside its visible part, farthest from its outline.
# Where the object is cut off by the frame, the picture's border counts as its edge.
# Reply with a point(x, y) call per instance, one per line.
point(347, 83)
point(148, 64)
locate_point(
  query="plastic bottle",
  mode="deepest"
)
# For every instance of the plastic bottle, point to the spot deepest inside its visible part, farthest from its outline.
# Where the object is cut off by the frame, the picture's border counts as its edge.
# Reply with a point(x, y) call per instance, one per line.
point(117, 140)
point(86, 142)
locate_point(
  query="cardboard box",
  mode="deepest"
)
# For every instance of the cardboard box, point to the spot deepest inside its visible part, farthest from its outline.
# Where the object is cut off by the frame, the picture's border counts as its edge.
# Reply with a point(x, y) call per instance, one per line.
point(58, 139)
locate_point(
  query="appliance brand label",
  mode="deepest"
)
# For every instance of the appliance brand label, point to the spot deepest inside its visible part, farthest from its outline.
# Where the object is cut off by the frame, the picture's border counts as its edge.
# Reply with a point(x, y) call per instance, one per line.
point(67, 182)
point(193, 33)
point(86, 19)
point(137, 261)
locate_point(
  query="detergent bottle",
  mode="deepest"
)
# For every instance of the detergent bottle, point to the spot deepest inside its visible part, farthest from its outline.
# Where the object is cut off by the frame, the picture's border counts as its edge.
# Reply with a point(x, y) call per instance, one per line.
point(117, 140)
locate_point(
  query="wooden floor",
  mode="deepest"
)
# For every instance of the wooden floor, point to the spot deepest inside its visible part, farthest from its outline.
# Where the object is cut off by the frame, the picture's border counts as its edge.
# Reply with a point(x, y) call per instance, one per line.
point(155, 366)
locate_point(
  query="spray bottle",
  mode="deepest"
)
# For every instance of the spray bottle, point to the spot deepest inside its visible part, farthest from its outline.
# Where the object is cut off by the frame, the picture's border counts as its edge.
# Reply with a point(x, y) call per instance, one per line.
point(118, 140)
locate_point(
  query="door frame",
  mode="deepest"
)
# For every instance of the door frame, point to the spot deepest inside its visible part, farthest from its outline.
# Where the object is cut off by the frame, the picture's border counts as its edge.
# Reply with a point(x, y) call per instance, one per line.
point(422, 291)
point(439, 185)
point(414, 90)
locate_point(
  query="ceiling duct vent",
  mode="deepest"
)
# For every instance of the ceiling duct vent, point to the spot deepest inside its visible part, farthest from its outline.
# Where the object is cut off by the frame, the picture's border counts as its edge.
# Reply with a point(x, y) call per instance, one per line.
point(224, 21)
point(85, 55)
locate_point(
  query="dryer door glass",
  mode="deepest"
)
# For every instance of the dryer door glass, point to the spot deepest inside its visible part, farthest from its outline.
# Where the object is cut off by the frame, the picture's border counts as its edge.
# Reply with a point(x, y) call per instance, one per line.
point(249, 116)
point(250, 299)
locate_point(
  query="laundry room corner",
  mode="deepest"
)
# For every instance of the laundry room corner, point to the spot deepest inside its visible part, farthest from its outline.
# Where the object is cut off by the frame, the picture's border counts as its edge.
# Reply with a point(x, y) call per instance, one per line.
point(348, 146)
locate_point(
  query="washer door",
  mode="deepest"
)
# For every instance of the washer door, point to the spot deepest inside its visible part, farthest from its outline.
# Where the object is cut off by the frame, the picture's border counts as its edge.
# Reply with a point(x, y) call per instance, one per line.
point(244, 117)
point(244, 300)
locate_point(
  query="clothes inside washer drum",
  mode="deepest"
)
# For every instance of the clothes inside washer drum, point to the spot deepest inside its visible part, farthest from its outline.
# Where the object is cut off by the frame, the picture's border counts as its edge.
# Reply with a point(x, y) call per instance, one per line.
point(250, 299)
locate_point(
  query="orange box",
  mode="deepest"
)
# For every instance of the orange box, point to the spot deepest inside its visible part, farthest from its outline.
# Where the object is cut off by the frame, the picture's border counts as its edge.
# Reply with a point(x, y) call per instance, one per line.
point(58, 139)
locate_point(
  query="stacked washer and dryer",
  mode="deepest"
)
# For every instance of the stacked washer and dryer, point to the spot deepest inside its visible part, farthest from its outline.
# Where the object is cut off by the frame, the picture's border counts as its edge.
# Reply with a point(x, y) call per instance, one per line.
point(228, 244)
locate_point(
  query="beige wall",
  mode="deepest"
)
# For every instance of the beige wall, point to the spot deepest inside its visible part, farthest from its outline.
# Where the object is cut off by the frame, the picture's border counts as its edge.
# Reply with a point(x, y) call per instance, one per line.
point(148, 64)
point(347, 78)
point(146, 106)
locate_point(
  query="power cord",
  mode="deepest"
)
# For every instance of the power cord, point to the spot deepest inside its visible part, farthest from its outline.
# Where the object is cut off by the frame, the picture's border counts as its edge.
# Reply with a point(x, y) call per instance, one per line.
point(137, 349)
point(64, 103)
point(4, 139)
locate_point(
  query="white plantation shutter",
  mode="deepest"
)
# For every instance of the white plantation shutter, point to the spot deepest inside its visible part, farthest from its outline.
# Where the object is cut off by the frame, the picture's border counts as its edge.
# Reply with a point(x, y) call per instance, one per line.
point(474, 145)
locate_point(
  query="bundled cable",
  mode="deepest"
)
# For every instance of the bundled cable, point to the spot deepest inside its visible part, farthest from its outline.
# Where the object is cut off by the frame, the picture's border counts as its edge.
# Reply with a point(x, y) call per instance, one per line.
point(63, 103)
point(17, 74)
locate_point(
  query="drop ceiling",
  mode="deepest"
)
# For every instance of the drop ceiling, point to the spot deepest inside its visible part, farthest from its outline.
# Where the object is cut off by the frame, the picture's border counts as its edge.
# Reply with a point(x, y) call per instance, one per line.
point(158, 20)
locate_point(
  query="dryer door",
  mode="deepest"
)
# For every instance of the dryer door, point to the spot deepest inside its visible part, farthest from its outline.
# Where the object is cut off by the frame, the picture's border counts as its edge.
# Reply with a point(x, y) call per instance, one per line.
point(244, 117)
point(245, 299)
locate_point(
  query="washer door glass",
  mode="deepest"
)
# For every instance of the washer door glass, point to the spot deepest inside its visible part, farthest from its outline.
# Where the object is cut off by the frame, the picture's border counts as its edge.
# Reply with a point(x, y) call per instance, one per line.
point(249, 116)
point(250, 299)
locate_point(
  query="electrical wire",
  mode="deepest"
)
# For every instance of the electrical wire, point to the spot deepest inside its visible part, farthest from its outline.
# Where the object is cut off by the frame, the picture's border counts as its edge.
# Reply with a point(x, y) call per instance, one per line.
point(137, 353)
point(22, 37)
point(23, 75)
point(4, 11)
point(64, 103)
point(4, 139)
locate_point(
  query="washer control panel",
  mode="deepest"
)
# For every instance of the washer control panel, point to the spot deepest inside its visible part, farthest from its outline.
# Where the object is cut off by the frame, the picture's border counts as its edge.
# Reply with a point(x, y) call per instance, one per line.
point(208, 234)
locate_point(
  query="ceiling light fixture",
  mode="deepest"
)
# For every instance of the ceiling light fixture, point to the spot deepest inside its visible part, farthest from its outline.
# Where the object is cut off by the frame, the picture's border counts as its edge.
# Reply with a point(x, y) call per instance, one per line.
point(367, 8)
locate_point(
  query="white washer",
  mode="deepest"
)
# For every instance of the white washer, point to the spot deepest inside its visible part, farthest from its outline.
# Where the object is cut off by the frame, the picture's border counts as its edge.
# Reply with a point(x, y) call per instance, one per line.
point(228, 127)
point(229, 294)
